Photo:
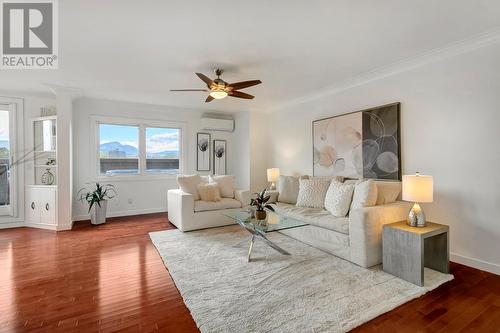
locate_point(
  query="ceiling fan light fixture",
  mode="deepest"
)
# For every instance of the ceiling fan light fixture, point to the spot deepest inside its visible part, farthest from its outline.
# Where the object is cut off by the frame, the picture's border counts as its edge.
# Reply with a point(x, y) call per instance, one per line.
point(218, 94)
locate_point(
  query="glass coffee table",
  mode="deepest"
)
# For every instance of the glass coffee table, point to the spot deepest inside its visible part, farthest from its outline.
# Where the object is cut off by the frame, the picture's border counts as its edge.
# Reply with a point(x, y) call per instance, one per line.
point(260, 228)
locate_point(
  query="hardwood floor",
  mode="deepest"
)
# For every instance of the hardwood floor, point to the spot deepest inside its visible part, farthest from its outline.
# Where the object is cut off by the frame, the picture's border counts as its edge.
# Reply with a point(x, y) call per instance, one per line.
point(110, 278)
point(93, 278)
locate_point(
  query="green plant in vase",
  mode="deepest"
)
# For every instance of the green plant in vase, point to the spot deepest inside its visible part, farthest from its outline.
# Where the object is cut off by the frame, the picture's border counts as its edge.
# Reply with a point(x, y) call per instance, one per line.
point(260, 202)
point(97, 196)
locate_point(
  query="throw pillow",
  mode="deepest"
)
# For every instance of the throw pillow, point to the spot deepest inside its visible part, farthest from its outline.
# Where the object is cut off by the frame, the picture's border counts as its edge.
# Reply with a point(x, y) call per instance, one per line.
point(338, 198)
point(312, 192)
point(209, 192)
point(226, 185)
point(365, 194)
point(288, 189)
point(189, 184)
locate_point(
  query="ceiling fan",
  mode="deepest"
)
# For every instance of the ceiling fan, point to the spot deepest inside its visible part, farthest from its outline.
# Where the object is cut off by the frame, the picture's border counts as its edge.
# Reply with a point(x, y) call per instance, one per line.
point(219, 89)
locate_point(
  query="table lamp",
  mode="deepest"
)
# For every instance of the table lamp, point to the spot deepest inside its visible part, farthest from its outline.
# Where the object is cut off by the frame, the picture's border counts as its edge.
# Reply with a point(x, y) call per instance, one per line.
point(272, 176)
point(417, 188)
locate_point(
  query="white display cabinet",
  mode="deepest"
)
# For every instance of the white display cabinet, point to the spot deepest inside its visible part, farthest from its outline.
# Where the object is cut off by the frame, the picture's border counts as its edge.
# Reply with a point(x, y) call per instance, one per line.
point(41, 196)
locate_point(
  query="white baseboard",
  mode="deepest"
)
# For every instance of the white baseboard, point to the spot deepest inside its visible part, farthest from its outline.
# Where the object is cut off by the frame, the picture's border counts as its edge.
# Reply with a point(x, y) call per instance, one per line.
point(6, 225)
point(476, 263)
point(40, 225)
point(124, 213)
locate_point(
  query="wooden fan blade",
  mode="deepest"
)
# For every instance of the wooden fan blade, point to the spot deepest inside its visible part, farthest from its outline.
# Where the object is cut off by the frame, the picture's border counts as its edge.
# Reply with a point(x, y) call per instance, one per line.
point(189, 90)
point(205, 79)
point(244, 84)
point(209, 99)
point(240, 94)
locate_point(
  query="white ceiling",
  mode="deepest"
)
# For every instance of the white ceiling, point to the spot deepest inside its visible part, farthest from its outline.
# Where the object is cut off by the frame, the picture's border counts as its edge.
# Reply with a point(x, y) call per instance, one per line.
point(138, 50)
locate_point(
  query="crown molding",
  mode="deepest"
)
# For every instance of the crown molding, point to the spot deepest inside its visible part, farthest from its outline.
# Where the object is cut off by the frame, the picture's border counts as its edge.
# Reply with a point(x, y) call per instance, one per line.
point(450, 50)
point(60, 90)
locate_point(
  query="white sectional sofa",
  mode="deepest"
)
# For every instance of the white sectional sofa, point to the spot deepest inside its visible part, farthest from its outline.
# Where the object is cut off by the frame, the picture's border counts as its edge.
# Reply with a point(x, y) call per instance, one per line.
point(356, 237)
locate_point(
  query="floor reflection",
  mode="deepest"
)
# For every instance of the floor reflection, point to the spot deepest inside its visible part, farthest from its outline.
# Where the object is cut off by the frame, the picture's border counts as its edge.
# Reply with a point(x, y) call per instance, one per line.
point(90, 279)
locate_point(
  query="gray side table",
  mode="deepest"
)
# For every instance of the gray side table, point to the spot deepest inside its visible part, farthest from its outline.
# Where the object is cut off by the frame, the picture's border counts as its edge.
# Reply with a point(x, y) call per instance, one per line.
point(406, 250)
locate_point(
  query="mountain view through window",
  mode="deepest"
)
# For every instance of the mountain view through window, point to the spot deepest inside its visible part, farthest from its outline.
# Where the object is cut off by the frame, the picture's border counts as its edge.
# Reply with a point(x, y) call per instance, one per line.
point(120, 151)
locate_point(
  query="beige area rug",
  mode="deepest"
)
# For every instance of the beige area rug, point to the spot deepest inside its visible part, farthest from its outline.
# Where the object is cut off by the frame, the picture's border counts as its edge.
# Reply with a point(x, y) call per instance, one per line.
point(308, 291)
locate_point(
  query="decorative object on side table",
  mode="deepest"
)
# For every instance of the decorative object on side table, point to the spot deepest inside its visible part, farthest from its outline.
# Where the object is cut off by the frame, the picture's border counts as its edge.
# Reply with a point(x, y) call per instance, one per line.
point(97, 196)
point(273, 175)
point(47, 177)
point(260, 203)
point(220, 152)
point(203, 151)
point(406, 250)
point(417, 188)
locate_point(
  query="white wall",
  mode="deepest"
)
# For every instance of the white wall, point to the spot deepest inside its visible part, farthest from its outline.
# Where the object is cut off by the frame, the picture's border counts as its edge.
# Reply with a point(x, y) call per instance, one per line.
point(240, 158)
point(450, 129)
point(146, 196)
point(259, 135)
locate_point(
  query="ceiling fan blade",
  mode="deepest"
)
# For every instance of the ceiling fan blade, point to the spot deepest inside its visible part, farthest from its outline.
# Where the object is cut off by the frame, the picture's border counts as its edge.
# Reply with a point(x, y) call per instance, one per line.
point(189, 90)
point(244, 84)
point(205, 79)
point(240, 94)
point(209, 99)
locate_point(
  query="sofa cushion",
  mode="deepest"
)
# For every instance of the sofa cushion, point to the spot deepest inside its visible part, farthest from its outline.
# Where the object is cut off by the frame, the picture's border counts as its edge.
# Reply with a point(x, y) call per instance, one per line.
point(365, 194)
point(224, 203)
point(288, 188)
point(315, 216)
point(189, 184)
point(388, 191)
point(226, 185)
point(209, 192)
point(312, 192)
point(338, 198)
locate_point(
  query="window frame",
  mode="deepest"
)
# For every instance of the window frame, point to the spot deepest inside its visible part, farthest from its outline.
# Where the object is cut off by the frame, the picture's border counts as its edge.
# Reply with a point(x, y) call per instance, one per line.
point(142, 124)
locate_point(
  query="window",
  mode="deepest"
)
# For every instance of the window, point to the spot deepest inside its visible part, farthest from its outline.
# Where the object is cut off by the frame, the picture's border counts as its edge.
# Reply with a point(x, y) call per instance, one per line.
point(162, 150)
point(4, 158)
point(118, 149)
point(132, 148)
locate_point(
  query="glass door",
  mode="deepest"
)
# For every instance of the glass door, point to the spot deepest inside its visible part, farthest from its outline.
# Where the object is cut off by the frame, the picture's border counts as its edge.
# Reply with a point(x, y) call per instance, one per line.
point(5, 153)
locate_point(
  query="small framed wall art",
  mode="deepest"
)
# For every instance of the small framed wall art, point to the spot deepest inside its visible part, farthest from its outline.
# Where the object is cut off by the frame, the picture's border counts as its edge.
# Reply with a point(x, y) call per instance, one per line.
point(203, 151)
point(220, 152)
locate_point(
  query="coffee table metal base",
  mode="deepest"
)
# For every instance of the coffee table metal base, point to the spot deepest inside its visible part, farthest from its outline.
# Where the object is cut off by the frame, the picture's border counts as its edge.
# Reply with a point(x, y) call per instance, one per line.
point(256, 233)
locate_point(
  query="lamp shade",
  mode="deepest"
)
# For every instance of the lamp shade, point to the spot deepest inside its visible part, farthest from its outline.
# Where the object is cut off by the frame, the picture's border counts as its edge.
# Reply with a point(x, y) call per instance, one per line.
point(417, 188)
point(273, 174)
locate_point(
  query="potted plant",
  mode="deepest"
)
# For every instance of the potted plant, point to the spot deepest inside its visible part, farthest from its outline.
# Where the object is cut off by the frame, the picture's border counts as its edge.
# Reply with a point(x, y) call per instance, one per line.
point(260, 203)
point(97, 196)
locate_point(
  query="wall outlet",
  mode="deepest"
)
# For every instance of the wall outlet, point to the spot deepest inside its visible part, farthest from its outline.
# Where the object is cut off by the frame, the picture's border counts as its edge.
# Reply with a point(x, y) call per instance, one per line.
point(130, 201)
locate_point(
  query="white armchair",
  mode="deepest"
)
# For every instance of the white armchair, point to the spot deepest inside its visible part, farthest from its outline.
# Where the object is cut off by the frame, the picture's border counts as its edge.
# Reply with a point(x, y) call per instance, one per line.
point(188, 214)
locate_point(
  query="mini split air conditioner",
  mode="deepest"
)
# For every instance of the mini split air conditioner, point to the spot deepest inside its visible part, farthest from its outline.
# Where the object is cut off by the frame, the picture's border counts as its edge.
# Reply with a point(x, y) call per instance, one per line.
point(214, 124)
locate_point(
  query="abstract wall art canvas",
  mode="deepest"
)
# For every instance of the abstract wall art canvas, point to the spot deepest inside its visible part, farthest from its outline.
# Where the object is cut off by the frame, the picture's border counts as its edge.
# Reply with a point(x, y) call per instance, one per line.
point(362, 144)
point(203, 152)
point(220, 154)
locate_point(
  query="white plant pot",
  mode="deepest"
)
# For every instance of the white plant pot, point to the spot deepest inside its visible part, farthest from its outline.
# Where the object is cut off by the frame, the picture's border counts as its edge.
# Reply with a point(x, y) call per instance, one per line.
point(98, 214)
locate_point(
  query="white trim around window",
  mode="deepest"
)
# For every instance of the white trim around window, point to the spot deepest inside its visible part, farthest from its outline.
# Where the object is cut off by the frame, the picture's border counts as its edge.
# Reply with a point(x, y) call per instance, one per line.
point(95, 121)
point(14, 212)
